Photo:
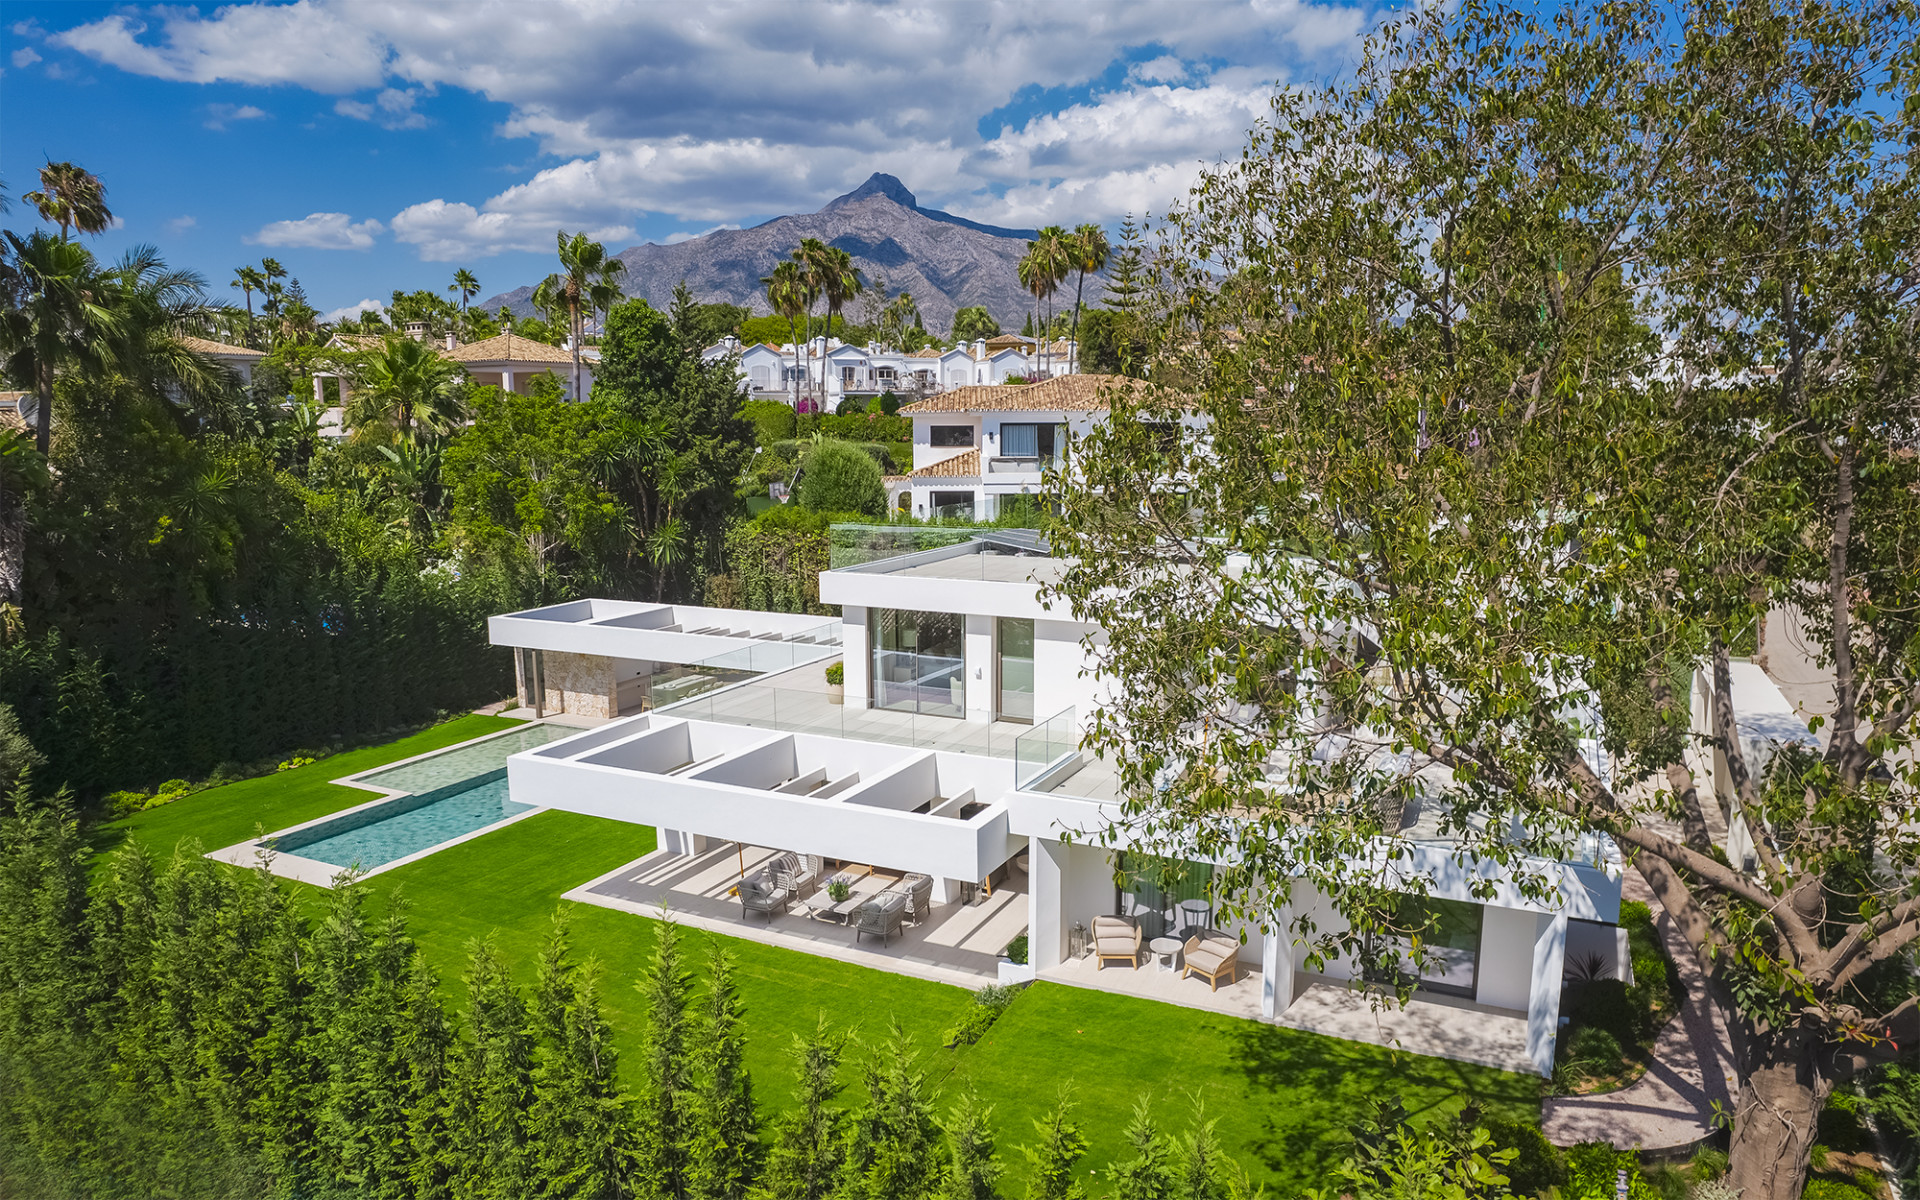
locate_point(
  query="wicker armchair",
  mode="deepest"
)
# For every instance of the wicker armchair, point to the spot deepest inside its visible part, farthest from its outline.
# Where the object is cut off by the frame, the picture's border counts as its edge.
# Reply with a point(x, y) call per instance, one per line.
point(1211, 954)
point(881, 917)
point(761, 893)
point(799, 876)
point(918, 889)
point(1116, 938)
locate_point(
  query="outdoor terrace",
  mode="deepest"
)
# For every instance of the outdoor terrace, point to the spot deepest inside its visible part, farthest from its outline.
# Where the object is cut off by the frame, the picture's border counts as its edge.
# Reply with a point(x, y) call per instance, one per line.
point(959, 943)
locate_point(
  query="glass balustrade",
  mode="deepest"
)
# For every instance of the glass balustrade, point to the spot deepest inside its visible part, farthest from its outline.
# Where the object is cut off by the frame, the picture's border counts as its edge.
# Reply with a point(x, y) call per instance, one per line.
point(1044, 748)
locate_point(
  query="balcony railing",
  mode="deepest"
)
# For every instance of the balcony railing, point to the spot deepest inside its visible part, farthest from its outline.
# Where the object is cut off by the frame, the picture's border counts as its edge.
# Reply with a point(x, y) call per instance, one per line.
point(1044, 750)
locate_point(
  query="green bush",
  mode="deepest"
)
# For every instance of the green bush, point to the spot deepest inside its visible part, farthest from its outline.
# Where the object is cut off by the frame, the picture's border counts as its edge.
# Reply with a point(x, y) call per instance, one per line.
point(1593, 1167)
point(837, 674)
point(1017, 949)
point(1833, 1189)
point(1536, 1165)
point(886, 404)
point(121, 804)
point(1841, 1127)
point(863, 426)
point(772, 418)
point(1710, 1163)
point(988, 1003)
point(841, 478)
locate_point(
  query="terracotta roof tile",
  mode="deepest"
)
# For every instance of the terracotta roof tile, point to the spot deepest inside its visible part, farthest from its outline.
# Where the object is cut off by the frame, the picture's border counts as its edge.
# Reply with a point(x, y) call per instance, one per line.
point(509, 347)
point(1064, 393)
point(964, 465)
point(223, 349)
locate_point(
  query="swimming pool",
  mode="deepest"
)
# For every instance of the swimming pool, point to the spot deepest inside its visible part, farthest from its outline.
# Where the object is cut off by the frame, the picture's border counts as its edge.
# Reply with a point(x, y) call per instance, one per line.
point(406, 825)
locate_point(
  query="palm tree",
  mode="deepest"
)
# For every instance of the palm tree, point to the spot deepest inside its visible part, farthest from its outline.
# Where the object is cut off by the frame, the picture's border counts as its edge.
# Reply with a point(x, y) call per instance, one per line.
point(61, 315)
point(410, 385)
point(787, 296)
point(155, 302)
point(466, 286)
point(1089, 251)
point(1054, 258)
point(840, 281)
point(815, 258)
point(248, 281)
point(272, 273)
point(588, 281)
point(71, 198)
point(1039, 275)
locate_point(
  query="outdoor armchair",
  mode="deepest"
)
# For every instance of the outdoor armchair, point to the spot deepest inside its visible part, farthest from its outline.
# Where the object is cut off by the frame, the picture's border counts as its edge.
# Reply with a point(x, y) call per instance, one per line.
point(881, 916)
point(794, 873)
point(1211, 954)
point(918, 889)
point(761, 893)
point(1117, 938)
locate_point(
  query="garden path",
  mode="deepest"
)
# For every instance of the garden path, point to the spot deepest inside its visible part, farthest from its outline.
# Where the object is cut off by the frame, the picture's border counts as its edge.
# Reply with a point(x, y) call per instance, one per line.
point(1671, 1106)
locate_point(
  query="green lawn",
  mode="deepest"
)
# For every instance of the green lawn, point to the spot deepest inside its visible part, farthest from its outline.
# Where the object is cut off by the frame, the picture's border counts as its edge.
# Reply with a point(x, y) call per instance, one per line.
point(1282, 1098)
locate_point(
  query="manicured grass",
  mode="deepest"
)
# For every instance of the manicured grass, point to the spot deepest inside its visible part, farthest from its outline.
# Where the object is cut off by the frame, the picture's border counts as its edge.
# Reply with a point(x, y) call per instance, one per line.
point(225, 815)
point(1282, 1099)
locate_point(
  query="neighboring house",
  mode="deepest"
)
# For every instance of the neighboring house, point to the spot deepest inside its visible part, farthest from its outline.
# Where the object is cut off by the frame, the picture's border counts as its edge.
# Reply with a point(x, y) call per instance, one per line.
point(506, 360)
point(841, 371)
point(239, 359)
point(945, 784)
point(975, 448)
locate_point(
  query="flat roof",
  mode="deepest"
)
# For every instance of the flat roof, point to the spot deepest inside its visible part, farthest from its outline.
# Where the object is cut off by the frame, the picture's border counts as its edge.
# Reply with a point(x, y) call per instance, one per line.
point(992, 567)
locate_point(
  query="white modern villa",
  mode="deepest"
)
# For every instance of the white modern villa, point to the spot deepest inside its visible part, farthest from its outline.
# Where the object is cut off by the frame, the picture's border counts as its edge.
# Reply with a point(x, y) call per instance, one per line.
point(842, 371)
point(935, 809)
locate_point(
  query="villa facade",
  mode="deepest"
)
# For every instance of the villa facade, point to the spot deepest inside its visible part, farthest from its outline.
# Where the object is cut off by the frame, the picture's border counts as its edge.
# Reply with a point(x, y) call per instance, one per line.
point(934, 810)
point(840, 371)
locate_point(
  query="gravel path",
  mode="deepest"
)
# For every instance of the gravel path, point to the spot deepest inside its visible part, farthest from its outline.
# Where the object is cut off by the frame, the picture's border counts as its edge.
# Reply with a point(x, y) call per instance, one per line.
point(1672, 1104)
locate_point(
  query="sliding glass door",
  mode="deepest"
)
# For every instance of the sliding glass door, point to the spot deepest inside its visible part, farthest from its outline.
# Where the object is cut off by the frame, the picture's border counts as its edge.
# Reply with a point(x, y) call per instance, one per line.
point(1013, 647)
point(918, 661)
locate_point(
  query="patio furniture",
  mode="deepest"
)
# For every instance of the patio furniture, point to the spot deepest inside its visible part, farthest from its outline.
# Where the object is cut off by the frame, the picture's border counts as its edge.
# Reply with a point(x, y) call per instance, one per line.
point(1195, 915)
point(918, 889)
point(794, 873)
point(1165, 950)
point(759, 893)
point(881, 916)
point(1211, 954)
point(1115, 937)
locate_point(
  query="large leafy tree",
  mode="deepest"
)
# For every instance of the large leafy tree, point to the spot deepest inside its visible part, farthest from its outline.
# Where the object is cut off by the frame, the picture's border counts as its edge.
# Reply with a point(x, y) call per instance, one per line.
point(1537, 364)
point(587, 282)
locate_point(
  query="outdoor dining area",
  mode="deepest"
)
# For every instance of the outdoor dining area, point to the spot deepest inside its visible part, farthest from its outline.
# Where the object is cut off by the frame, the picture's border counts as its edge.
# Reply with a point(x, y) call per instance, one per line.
point(793, 882)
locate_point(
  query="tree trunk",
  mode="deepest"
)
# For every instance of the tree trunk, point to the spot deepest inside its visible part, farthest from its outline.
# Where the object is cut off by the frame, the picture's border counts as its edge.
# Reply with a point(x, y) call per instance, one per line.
point(13, 546)
point(43, 420)
point(1776, 1114)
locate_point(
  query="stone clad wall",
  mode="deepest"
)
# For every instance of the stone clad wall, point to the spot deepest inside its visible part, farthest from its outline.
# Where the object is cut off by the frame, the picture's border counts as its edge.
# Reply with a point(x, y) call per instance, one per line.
point(582, 684)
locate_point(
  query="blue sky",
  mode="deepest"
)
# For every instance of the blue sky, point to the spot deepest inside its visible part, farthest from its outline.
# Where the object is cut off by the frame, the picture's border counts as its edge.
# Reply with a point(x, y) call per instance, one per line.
point(376, 145)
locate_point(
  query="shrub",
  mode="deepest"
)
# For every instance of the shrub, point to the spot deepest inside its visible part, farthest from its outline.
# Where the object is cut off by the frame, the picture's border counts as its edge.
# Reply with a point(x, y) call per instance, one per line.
point(1710, 1163)
point(1714, 1189)
point(1840, 1125)
point(849, 407)
point(841, 478)
point(1536, 1165)
point(773, 419)
point(1833, 1189)
point(1593, 1167)
point(122, 804)
point(1017, 950)
point(863, 426)
point(837, 674)
point(886, 404)
point(988, 1003)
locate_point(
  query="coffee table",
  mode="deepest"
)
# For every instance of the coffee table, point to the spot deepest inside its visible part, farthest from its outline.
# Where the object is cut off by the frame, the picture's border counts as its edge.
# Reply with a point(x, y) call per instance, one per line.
point(1165, 951)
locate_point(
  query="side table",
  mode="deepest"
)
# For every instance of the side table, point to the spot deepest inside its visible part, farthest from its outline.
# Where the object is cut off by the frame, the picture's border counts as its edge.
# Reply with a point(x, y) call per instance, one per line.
point(1166, 952)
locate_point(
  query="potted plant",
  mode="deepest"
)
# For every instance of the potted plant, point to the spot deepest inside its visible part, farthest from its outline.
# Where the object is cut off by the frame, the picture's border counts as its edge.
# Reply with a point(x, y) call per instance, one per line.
point(836, 683)
point(838, 890)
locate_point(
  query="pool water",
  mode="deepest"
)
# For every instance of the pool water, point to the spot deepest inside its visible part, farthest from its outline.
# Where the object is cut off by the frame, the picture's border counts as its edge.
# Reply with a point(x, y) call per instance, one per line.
point(463, 763)
point(383, 833)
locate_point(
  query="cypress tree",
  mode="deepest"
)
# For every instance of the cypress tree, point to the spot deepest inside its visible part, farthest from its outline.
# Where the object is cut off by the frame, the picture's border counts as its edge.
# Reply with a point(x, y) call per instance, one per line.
point(665, 1075)
point(1149, 1174)
point(360, 998)
point(493, 1085)
point(1058, 1152)
point(427, 1046)
point(808, 1138)
point(582, 1124)
point(1205, 1172)
point(724, 1147)
point(894, 1149)
point(975, 1174)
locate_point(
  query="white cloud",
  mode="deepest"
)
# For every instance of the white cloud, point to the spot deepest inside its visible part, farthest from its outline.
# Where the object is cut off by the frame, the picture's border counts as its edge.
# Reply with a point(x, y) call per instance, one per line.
point(25, 57)
point(179, 225)
point(319, 231)
point(392, 109)
point(352, 312)
point(768, 106)
point(220, 115)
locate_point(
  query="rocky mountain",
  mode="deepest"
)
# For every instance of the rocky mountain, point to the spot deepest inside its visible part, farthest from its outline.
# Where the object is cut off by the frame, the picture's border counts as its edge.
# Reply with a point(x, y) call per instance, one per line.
point(947, 262)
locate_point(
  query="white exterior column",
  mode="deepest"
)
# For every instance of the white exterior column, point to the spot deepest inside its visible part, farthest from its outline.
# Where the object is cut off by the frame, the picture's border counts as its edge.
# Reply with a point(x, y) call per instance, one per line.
point(1543, 998)
point(320, 391)
point(506, 381)
point(855, 661)
point(1276, 964)
point(1046, 922)
point(676, 841)
point(980, 667)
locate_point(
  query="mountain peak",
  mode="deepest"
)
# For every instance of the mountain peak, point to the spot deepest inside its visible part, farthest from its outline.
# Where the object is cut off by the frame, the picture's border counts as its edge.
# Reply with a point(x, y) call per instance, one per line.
point(878, 184)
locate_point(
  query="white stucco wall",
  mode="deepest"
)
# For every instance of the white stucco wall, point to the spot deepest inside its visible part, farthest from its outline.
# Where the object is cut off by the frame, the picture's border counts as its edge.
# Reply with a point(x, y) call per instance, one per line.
point(1506, 957)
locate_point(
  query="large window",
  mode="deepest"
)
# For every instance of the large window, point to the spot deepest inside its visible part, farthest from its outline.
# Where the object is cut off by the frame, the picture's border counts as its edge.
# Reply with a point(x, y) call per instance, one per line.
point(1013, 645)
point(1151, 889)
point(952, 435)
point(953, 505)
point(919, 661)
point(1449, 933)
point(1028, 441)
